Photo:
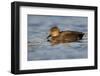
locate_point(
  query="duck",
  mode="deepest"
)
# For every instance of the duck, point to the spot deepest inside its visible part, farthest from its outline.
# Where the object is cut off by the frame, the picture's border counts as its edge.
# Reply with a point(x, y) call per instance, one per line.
point(56, 36)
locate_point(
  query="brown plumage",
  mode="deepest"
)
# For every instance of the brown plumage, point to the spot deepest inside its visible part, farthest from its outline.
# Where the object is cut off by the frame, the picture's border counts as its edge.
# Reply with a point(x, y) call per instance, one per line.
point(58, 36)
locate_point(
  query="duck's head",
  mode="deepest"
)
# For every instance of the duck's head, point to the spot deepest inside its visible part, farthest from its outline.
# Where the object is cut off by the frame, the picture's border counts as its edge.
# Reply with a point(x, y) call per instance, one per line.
point(54, 31)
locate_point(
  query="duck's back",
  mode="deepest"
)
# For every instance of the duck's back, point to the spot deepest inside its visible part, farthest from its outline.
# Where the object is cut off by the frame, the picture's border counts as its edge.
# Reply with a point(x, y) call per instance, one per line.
point(69, 36)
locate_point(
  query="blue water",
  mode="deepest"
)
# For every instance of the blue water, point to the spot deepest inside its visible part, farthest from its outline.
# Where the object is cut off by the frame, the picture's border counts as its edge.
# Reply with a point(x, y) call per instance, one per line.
point(38, 30)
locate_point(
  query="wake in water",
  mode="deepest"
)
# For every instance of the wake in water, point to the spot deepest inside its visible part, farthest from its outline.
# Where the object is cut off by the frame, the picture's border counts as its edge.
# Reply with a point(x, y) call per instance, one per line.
point(40, 49)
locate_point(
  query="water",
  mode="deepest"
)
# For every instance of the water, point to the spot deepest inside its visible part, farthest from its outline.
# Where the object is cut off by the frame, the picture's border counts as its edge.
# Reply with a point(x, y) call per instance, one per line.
point(40, 49)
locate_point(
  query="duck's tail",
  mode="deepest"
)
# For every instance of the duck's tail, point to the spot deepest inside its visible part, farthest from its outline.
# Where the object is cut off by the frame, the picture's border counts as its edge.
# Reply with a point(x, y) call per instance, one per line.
point(81, 35)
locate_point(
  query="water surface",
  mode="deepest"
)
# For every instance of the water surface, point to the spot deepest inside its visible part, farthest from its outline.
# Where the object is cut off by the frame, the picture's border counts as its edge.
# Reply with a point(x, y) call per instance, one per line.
point(40, 49)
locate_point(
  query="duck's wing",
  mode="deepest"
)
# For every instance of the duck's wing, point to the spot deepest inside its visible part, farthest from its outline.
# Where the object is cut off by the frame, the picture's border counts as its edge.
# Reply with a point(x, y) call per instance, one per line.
point(72, 34)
